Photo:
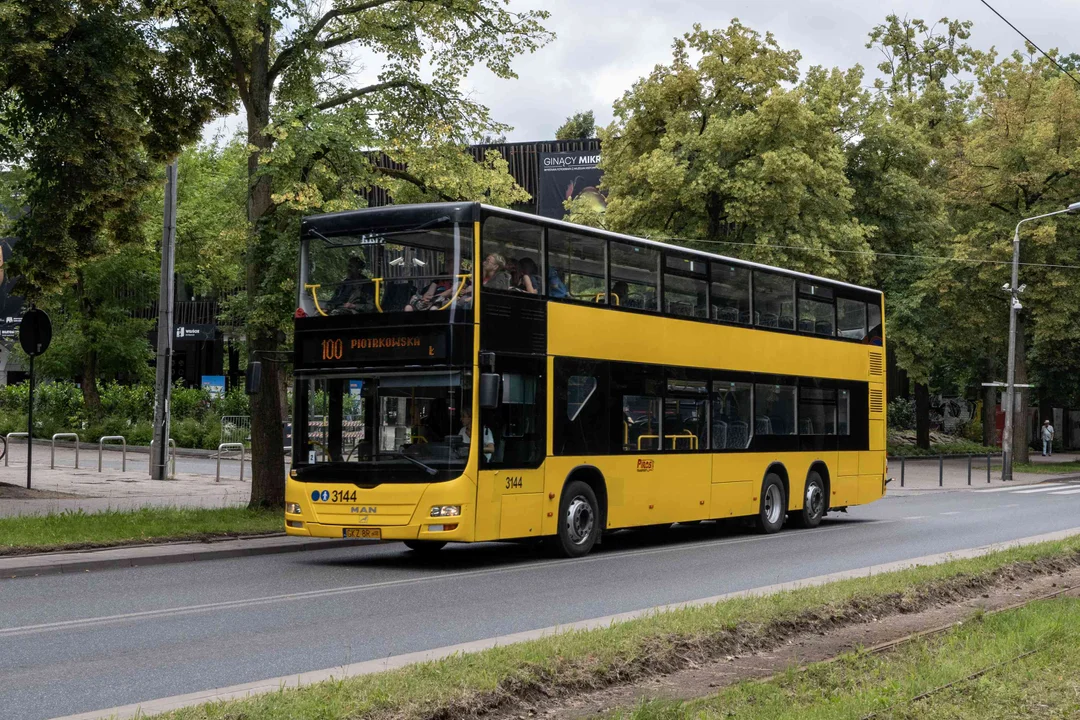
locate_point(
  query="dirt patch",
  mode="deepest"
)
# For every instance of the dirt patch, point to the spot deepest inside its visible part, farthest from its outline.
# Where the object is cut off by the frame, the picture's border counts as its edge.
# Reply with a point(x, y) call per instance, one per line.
point(15, 492)
point(681, 667)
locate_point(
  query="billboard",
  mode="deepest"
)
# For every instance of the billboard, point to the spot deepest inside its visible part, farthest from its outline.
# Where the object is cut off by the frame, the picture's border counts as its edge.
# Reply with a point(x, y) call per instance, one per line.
point(565, 176)
point(11, 306)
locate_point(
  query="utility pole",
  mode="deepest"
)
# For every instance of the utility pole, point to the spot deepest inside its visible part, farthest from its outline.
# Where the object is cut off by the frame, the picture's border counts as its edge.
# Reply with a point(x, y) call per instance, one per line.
point(163, 386)
point(1014, 290)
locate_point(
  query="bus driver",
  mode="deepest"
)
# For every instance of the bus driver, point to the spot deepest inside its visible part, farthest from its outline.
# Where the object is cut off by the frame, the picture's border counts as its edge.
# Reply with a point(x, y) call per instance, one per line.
point(466, 428)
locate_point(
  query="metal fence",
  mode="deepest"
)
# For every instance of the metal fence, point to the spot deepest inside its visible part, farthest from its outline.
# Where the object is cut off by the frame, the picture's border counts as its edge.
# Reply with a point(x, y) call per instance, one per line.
point(236, 429)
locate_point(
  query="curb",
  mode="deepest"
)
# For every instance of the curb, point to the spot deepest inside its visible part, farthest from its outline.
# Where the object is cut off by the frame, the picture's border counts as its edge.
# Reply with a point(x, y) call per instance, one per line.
point(163, 554)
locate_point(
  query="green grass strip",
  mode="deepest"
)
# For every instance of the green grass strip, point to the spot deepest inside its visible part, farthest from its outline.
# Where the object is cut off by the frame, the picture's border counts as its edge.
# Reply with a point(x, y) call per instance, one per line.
point(582, 660)
point(39, 533)
point(1017, 664)
point(1048, 468)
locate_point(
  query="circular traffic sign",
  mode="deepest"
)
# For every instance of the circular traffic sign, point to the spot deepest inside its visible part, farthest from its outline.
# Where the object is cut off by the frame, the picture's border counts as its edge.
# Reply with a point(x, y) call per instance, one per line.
point(35, 332)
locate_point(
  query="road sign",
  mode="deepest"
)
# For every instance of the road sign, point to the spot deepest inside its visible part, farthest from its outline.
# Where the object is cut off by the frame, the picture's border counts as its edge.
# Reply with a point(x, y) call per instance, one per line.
point(35, 332)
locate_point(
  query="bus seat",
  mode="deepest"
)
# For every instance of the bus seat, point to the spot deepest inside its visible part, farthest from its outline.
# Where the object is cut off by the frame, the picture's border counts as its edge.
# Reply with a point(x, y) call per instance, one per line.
point(823, 327)
point(738, 434)
point(728, 314)
point(787, 322)
point(719, 435)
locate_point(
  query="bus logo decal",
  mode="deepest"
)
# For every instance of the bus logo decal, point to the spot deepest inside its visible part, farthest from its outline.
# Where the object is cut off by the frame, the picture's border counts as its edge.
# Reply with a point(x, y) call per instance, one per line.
point(644, 465)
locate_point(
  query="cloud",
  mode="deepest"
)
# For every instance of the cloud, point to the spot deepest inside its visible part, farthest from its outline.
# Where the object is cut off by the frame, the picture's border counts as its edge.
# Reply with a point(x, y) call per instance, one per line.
point(604, 46)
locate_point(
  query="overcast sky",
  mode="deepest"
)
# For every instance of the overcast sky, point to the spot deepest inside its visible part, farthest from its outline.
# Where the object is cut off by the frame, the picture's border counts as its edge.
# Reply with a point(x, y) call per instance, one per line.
point(603, 46)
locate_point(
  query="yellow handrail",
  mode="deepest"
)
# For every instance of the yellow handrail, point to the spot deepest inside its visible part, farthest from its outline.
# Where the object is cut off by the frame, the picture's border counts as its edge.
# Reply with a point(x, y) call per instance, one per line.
point(457, 292)
point(315, 297)
point(646, 437)
point(378, 293)
point(683, 436)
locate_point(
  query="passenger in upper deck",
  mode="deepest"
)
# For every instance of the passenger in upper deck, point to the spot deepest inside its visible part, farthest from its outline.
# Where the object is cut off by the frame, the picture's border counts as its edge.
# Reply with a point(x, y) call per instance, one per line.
point(494, 274)
point(620, 293)
point(526, 276)
point(434, 295)
point(556, 286)
point(356, 293)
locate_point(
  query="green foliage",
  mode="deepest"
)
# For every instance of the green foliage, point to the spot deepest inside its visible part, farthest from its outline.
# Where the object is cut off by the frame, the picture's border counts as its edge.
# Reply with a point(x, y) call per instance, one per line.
point(579, 126)
point(93, 92)
point(724, 147)
point(901, 414)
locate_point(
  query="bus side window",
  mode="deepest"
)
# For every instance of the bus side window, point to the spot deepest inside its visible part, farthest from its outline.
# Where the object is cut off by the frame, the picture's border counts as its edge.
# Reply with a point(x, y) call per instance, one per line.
point(511, 256)
point(518, 424)
point(635, 274)
point(774, 409)
point(642, 427)
point(576, 267)
point(774, 300)
point(851, 318)
point(732, 416)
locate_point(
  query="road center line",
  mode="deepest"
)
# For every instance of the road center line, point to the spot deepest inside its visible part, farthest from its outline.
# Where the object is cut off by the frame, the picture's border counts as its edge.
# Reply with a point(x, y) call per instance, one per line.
point(350, 589)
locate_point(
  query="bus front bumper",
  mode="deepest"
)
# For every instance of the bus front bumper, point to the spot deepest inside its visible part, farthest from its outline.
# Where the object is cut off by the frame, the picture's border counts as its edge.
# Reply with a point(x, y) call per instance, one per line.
point(456, 529)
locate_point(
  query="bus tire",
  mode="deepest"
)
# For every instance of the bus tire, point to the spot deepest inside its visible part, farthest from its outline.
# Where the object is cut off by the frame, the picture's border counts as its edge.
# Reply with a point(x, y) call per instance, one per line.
point(579, 520)
point(773, 505)
point(814, 502)
point(425, 547)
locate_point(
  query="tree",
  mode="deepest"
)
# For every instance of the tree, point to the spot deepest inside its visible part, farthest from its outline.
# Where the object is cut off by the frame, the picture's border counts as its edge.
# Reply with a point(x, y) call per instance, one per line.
point(721, 151)
point(1021, 159)
point(579, 126)
point(92, 96)
point(307, 114)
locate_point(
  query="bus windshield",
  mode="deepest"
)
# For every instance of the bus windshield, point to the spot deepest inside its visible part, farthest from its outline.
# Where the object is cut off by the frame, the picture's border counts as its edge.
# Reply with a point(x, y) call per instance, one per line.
point(389, 428)
point(420, 270)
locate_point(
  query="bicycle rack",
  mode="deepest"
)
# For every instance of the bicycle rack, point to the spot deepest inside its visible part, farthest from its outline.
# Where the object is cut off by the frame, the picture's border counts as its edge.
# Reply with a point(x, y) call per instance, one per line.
point(101, 446)
point(52, 450)
point(150, 465)
point(232, 446)
point(7, 444)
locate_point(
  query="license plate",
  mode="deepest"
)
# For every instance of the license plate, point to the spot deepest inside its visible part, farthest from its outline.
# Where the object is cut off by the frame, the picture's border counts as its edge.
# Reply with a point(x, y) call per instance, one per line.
point(366, 533)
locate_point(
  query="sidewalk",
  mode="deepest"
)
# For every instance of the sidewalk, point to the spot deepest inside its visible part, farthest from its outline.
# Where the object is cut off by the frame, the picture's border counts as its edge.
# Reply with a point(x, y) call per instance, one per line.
point(67, 488)
point(923, 474)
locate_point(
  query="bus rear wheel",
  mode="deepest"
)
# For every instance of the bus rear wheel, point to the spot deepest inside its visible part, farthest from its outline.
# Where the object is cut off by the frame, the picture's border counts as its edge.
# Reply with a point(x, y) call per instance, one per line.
point(814, 502)
point(425, 547)
point(579, 520)
point(773, 507)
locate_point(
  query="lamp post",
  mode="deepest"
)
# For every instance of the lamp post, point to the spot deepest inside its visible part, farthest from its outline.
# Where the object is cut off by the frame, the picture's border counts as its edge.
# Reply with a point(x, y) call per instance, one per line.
point(1014, 291)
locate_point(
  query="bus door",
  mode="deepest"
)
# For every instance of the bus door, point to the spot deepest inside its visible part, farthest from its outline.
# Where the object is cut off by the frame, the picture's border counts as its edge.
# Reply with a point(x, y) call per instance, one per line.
point(510, 486)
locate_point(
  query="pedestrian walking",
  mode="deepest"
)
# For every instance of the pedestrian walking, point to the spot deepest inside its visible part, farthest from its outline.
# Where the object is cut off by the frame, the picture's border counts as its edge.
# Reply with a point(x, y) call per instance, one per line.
point(1047, 438)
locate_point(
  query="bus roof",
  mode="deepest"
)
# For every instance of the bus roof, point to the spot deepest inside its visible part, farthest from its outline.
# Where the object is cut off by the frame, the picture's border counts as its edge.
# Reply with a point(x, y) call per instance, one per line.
point(469, 211)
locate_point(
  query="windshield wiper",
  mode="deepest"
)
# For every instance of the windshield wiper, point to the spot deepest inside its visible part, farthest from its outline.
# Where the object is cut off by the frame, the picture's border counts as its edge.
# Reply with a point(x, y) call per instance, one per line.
point(427, 468)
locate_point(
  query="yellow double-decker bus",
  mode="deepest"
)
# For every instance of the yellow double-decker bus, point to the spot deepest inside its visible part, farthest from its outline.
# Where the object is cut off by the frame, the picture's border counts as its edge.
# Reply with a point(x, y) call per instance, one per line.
point(466, 373)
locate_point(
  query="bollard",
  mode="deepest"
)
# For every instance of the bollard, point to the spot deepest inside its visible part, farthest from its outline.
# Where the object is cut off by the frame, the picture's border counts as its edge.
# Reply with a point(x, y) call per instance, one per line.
point(940, 471)
point(901, 471)
point(52, 450)
point(8, 444)
point(969, 469)
point(987, 469)
point(220, 448)
point(172, 444)
point(101, 446)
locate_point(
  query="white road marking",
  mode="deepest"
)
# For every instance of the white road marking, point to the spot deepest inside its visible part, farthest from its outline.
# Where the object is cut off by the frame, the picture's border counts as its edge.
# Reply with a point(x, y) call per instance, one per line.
point(954, 512)
point(915, 517)
point(350, 589)
point(1014, 488)
point(1040, 489)
point(235, 692)
point(1066, 492)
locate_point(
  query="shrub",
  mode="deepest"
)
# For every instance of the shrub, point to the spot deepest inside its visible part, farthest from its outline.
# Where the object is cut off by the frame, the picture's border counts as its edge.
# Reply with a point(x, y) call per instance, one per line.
point(189, 403)
point(187, 432)
point(234, 402)
point(59, 405)
point(902, 414)
point(129, 402)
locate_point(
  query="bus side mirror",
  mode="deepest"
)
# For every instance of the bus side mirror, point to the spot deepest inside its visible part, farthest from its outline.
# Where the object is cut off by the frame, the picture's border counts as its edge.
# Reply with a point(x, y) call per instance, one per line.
point(489, 390)
point(253, 378)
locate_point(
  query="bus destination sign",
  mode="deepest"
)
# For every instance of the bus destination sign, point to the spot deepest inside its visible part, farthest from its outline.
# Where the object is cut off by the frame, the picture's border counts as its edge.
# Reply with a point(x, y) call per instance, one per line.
point(389, 346)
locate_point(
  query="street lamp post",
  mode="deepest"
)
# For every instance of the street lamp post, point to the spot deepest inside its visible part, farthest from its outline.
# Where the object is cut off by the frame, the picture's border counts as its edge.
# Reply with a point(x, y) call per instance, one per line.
point(1014, 291)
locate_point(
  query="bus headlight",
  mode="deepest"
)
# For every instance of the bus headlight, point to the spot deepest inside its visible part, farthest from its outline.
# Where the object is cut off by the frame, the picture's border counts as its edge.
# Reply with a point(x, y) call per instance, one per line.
point(446, 511)
point(292, 508)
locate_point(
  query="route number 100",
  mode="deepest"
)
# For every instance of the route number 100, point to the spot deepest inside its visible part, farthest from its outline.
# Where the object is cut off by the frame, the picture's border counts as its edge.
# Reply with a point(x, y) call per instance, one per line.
point(332, 349)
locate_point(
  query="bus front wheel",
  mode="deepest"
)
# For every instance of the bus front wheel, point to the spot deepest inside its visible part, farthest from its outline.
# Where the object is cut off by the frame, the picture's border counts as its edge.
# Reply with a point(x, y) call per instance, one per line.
point(773, 507)
point(579, 520)
point(425, 547)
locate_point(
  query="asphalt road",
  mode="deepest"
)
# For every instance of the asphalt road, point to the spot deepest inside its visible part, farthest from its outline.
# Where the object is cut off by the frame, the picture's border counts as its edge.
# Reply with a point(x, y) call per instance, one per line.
point(78, 643)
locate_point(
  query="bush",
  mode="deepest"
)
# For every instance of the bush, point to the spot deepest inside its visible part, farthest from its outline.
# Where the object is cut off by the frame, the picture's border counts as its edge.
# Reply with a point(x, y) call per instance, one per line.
point(133, 403)
point(60, 406)
point(189, 403)
point(234, 402)
point(187, 432)
point(902, 414)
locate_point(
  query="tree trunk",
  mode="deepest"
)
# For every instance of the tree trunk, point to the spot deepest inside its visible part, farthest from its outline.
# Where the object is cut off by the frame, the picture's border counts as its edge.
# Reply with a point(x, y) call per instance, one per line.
point(922, 416)
point(91, 397)
point(267, 454)
point(1021, 422)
